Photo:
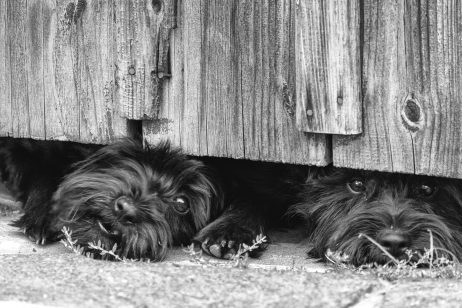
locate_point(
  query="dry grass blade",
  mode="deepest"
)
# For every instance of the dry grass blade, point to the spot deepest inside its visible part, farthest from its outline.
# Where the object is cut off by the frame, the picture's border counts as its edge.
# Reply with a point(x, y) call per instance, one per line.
point(432, 248)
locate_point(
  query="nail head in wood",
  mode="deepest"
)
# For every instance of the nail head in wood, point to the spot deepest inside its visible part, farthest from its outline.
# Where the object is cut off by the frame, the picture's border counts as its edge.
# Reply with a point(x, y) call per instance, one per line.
point(131, 70)
point(309, 112)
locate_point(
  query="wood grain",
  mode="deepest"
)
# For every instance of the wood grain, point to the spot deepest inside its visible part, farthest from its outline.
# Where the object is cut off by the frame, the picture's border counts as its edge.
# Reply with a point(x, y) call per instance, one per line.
point(143, 30)
point(6, 127)
point(328, 67)
point(233, 84)
point(35, 67)
point(60, 71)
point(17, 23)
point(412, 94)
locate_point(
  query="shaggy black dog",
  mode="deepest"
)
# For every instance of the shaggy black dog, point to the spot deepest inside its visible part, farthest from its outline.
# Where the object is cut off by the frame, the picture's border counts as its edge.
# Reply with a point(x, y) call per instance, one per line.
point(142, 199)
point(397, 211)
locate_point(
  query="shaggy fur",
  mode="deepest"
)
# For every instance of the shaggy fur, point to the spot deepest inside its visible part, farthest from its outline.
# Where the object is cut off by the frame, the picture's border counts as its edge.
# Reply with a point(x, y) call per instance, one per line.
point(143, 200)
point(257, 195)
point(396, 210)
point(32, 170)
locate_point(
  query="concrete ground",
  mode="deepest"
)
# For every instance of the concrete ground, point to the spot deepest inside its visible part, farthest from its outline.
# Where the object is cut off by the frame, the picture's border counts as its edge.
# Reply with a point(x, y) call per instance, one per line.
point(53, 276)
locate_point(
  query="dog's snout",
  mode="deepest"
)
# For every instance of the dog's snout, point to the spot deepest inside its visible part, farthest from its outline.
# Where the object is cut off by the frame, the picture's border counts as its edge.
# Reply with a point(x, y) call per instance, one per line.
point(125, 207)
point(394, 242)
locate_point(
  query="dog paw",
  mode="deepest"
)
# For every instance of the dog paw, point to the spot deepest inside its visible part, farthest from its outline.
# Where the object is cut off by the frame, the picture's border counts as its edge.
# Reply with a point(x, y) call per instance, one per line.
point(37, 232)
point(225, 241)
point(36, 236)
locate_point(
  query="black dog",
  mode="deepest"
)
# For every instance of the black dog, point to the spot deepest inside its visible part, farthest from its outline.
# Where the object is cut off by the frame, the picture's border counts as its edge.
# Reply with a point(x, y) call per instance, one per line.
point(142, 199)
point(397, 211)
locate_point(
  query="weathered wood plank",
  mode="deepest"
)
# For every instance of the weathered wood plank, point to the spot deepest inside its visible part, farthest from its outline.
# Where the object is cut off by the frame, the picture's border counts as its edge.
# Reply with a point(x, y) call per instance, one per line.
point(222, 107)
point(6, 128)
point(83, 52)
point(100, 121)
point(232, 86)
point(328, 66)
point(412, 94)
point(62, 39)
point(17, 23)
point(35, 67)
point(143, 29)
point(164, 127)
point(56, 118)
point(59, 80)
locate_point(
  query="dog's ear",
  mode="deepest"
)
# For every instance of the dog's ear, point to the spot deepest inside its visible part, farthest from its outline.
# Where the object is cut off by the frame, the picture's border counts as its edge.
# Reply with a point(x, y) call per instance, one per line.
point(315, 173)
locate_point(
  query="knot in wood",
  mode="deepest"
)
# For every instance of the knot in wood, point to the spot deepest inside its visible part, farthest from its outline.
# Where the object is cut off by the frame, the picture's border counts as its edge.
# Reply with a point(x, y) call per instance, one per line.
point(74, 12)
point(81, 5)
point(412, 111)
point(156, 5)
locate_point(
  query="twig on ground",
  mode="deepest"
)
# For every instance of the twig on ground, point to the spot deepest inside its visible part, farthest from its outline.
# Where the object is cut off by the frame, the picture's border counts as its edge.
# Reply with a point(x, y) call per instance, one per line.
point(99, 248)
point(105, 253)
point(241, 257)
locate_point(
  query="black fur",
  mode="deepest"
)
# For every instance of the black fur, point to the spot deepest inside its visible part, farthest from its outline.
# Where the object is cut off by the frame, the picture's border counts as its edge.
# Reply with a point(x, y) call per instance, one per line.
point(143, 200)
point(32, 170)
point(396, 210)
point(257, 195)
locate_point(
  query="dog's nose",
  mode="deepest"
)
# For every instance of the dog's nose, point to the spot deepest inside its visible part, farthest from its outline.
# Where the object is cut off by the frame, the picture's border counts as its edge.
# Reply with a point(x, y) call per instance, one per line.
point(394, 242)
point(125, 207)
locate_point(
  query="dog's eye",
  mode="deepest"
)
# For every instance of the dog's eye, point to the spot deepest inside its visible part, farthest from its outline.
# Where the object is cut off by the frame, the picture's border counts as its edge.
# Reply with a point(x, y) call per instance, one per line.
point(356, 186)
point(181, 205)
point(426, 190)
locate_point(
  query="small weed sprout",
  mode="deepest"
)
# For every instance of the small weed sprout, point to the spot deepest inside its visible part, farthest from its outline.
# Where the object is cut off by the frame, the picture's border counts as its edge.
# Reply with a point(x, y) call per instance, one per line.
point(99, 248)
point(196, 256)
point(241, 257)
point(71, 244)
point(106, 253)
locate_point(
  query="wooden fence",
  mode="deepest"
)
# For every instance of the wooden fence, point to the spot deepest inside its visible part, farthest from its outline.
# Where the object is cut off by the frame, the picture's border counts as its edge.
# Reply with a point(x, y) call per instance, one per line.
point(362, 84)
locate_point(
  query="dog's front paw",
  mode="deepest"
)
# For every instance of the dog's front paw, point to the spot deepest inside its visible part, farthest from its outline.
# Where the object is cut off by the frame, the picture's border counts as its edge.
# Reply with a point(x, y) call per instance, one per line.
point(224, 240)
point(36, 228)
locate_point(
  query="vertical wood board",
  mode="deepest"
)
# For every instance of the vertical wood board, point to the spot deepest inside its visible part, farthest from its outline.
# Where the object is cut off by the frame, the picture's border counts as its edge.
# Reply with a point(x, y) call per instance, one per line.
point(143, 30)
point(6, 127)
point(328, 69)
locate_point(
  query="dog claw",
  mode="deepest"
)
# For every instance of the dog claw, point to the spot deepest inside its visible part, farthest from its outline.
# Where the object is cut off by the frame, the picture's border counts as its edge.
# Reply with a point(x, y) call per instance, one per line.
point(215, 250)
point(204, 246)
point(102, 227)
point(230, 254)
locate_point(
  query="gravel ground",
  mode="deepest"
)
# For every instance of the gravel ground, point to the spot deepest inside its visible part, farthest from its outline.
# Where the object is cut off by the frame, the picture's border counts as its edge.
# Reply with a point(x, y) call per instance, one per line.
point(52, 276)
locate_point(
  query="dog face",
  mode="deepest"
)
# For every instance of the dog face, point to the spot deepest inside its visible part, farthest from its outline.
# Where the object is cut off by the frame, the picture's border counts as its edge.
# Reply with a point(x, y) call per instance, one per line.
point(397, 211)
point(143, 200)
